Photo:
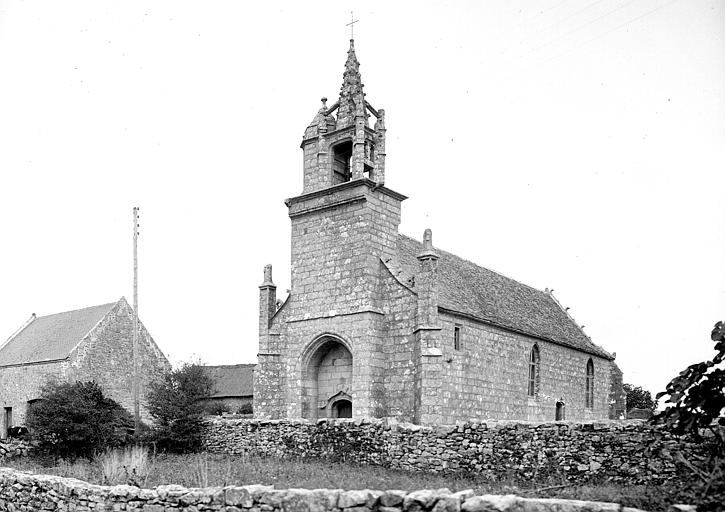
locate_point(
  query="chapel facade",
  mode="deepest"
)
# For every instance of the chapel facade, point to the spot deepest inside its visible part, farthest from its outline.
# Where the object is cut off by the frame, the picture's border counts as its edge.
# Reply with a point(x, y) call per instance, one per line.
point(378, 324)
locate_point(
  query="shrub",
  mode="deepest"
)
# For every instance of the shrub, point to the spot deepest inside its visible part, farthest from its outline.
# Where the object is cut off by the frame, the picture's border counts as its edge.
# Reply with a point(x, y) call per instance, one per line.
point(77, 420)
point(176, 403)
point(246, 408)
point(639, 398)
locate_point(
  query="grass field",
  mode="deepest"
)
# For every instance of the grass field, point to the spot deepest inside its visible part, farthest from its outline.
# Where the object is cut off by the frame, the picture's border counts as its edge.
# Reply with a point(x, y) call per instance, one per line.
point(202, 470)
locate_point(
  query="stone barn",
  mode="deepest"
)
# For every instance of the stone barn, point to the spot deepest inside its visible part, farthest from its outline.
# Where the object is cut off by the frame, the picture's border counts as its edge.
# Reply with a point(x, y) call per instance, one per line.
point(94, 343)
point(233, 387)
point(378, 324)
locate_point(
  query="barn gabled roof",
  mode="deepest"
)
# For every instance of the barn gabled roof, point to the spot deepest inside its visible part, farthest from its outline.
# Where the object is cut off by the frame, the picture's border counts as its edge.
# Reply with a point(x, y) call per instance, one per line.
point(232, 380)
point(51, 337)
point(488, 296)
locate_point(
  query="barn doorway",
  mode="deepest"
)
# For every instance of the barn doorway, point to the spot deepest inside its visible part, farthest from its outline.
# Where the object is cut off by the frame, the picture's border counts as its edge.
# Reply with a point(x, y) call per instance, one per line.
point(7, 422)
point(327, 379)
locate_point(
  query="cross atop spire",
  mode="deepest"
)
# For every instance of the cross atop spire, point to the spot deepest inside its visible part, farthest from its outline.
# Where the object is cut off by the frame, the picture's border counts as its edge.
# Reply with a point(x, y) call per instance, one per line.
point(352, 25)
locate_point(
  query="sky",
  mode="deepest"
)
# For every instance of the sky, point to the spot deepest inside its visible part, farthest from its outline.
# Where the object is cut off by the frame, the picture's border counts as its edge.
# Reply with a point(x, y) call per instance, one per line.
point(573, 145)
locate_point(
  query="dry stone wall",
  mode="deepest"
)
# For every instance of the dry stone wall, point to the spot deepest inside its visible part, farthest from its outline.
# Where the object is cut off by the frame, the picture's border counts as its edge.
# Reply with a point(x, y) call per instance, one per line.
point(24, 491)
point(576, 451)
point(10, 448)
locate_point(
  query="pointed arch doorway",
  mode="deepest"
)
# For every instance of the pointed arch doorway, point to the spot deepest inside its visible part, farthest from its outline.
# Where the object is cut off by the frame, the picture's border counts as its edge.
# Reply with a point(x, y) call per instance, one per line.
point(327, 379)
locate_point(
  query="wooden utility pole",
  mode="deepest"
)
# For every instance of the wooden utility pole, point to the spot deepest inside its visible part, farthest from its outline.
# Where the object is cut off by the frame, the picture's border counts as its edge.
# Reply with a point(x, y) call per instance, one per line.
point(136, 418)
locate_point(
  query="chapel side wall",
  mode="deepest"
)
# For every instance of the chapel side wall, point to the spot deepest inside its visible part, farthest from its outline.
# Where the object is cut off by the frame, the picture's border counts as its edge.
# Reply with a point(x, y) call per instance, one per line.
point(399, 347)
point(488, 377)
point(21, 383)
point(106, 356)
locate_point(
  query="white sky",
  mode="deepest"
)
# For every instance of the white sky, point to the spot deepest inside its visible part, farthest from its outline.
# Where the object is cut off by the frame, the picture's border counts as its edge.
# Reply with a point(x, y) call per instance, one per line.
point(575, 145)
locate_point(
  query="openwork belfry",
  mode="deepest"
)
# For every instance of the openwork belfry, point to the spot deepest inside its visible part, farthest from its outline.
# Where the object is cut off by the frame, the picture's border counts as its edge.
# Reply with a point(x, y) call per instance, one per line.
point(378, 324)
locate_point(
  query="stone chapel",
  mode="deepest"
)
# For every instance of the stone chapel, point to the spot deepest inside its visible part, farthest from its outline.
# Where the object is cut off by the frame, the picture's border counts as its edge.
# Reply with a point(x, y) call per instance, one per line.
point(378, 324)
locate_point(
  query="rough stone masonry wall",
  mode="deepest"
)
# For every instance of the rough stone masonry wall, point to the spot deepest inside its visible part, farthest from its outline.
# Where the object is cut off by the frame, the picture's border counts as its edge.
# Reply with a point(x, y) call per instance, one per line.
point(615, 450)
point(23, 491)
point(10, 448)
point(477, 385)
point(21, 383)
point(106, 356)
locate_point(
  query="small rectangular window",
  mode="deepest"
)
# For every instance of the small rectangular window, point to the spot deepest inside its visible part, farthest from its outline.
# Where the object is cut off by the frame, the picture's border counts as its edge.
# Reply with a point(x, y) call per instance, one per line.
point(457, 337)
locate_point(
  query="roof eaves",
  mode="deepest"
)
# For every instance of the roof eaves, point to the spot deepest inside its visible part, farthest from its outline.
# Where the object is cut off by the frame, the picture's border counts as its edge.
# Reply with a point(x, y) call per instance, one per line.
point(550, 293)
point(33, 363)
point(521, 331)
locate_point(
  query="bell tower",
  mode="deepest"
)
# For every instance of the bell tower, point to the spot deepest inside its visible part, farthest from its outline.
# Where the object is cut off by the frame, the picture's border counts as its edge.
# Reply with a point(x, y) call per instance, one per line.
point(341, 148)
point(344, 222)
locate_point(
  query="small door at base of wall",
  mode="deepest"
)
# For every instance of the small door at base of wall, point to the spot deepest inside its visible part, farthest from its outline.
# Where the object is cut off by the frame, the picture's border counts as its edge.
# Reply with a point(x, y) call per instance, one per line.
point(559, 411)
point(7, 421)
point(342, 409)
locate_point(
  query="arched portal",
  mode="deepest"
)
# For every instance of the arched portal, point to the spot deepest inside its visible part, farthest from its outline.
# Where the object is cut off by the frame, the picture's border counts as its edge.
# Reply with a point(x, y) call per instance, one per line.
point(327, 379)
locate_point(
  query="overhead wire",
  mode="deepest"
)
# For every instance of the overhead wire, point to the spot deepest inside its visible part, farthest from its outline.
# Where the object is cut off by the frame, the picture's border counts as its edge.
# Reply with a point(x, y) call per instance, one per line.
point(629, 22)
point(580, 27)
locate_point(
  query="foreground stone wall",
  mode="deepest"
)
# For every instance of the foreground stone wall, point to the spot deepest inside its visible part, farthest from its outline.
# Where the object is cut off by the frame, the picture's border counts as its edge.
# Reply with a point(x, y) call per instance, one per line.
point(576, 451)
point(25, 491)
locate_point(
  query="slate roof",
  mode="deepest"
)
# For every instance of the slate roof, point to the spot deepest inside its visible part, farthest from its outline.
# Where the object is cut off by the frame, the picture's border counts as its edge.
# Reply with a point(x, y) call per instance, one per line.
point(232, 380)
point(467, 288)
point(52, 337)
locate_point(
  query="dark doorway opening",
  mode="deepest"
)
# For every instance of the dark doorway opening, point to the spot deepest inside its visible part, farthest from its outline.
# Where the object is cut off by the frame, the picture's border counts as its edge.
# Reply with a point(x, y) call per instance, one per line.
point(342, 409)
point(7, 421)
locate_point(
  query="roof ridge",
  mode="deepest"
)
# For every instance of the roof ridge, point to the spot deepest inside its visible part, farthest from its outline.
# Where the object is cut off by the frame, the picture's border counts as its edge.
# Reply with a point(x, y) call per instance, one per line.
point(20, 329)
point(54, 337)
point(507, 302)
point(481, 266)
point(79, 309)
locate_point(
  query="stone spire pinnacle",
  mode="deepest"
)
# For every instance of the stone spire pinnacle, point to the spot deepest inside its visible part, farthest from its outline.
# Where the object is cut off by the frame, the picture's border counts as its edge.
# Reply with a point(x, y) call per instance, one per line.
point(351, 92)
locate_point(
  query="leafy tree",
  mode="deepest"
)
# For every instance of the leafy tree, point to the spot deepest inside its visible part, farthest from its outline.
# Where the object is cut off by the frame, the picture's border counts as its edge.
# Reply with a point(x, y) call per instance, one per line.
point(639, 398)
point(76, 420)
point(697, 398)
point(697, 394)
point(176, 402)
